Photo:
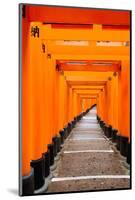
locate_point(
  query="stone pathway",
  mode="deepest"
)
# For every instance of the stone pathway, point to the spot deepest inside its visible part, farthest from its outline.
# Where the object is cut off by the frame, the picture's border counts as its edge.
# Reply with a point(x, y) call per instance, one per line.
point(88, 161)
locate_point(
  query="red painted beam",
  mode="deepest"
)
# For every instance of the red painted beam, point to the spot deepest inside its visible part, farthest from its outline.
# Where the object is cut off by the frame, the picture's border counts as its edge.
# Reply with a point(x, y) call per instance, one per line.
point(103, 68)
point(55, 14)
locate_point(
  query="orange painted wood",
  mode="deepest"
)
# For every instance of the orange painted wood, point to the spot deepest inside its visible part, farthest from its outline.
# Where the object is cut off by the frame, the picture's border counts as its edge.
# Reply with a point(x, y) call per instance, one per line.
point(52, 98)
point(124, 99)
point(27, 134)
point(51, 14)
point(36, 95)
point(46, 100)
point(113, 68)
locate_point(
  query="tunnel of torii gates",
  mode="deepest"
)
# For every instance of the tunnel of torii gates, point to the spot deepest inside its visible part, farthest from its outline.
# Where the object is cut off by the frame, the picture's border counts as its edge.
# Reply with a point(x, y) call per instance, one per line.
point(66, 69)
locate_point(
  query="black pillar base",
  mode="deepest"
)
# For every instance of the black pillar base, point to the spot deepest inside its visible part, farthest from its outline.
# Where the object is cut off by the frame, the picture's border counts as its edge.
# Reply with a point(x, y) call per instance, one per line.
point(51, 150)
point(129, 154)
point(28, 184)
point(54, 139)
point(38, 166)
point(101, 123)
point(75, 120)
point(58, 144)
point(80, 116)
point(105, 130)
point(66, 130)
point(83, 114)
point(70, 126)
point(109, 131)
point(46, 163)
point(114, 135)
point(123, 145)
point(103, 126)
point(118, 142)
point(72, 122)
point(62, 135)
point(97, 117)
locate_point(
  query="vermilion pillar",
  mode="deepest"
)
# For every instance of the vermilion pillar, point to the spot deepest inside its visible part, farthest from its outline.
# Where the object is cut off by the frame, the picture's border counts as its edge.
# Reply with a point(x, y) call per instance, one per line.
point(124, 99)
point(36, 93)
point(115, 101)
point(70, 105)
point(109, 101)
point(27, 134)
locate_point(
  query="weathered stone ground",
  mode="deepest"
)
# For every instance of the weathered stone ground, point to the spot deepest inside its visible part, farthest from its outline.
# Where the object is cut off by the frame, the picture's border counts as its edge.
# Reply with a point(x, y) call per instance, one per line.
point(82, 166)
